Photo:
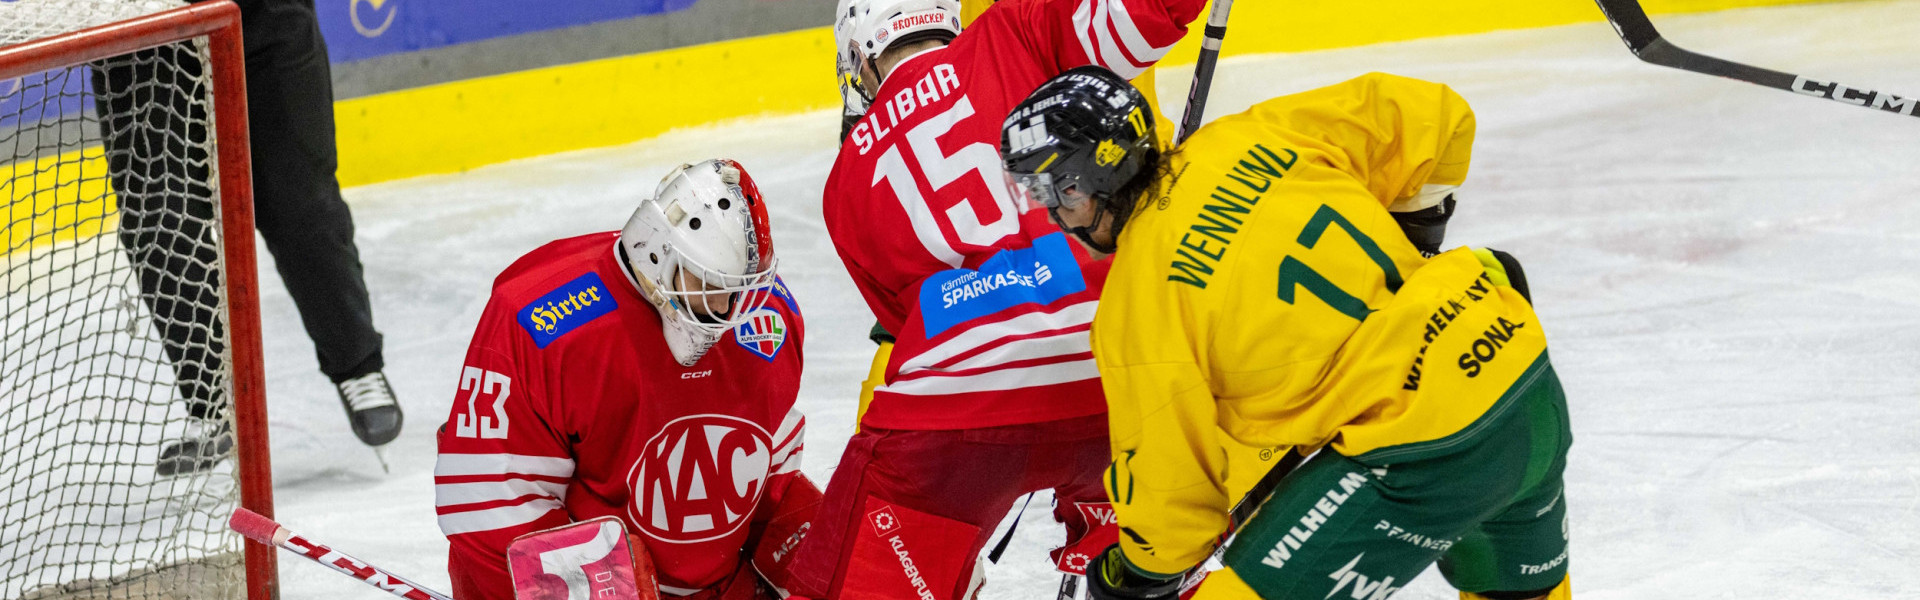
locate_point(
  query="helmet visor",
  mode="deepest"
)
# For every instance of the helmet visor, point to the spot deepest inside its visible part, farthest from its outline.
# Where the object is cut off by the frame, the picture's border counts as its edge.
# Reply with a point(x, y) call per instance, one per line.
point(714, 302)
point(853, 94)
point(1034, 188)
point(1046, 190)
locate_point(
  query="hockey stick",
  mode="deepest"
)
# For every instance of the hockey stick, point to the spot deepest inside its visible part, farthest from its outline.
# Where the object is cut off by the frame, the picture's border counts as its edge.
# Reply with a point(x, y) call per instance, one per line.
point(1203, 69)
point(1243, 510)
point(264, 530)
point(1261, 489)
point(1631, 22)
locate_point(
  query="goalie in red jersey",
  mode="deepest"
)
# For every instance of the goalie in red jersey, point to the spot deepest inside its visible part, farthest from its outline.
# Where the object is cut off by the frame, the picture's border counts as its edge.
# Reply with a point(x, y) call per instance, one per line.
point(990, 390)
point(647, 374)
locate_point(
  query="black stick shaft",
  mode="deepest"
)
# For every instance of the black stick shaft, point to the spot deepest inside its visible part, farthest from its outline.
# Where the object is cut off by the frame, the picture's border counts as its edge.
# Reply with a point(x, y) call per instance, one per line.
point(1631, 22)
point(1203, 69)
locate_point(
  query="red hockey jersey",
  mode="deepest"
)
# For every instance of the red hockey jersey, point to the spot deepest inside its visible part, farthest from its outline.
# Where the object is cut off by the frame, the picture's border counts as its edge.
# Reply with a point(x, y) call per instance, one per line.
point(571, 407)
point(990, 303)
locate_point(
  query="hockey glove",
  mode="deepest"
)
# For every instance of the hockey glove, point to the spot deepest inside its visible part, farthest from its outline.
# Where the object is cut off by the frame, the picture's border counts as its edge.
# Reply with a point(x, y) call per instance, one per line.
point(1109, 578)
point(1428, 226)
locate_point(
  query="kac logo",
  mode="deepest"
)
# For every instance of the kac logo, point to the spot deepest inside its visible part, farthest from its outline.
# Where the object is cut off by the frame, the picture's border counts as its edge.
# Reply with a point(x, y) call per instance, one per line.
point(763, 333)
point(699, 478)
point(360, 24)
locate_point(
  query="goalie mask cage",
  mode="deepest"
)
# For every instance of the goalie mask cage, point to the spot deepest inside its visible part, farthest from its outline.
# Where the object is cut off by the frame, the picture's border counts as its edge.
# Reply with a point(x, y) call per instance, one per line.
point(129, 312)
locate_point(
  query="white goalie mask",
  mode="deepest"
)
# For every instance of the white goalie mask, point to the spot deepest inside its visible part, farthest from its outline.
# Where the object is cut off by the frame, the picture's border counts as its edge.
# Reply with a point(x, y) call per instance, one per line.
point(701, 252)
point(862, 29)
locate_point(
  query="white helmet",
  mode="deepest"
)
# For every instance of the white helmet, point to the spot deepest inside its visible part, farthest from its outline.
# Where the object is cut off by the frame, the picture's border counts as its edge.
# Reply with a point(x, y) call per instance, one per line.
point(862, 29)
point(701, 252)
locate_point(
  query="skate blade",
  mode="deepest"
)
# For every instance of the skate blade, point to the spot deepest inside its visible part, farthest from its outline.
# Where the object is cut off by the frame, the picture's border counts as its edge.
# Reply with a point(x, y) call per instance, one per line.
point(380, 453)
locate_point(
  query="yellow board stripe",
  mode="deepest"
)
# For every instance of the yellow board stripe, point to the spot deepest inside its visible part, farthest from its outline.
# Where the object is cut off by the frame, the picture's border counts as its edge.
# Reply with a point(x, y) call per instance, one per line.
point(460, 125)
point(55, 199)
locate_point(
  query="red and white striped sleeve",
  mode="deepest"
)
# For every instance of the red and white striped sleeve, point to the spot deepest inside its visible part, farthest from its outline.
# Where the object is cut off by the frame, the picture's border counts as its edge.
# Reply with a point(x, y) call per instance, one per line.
point(1037, 348)
point(788, 443)
point(1125, 36)
point(502, 472)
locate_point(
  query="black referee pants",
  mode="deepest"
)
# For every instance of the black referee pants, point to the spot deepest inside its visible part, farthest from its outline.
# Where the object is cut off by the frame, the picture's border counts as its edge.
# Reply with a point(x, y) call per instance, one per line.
point(153, 125)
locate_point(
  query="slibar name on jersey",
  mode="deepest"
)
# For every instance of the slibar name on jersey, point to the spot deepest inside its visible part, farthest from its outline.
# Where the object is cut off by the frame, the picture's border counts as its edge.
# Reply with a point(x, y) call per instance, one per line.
point(887, 113)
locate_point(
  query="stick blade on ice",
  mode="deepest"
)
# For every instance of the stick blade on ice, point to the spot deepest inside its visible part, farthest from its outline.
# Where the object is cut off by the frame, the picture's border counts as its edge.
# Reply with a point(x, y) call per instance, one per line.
point(1631, 22)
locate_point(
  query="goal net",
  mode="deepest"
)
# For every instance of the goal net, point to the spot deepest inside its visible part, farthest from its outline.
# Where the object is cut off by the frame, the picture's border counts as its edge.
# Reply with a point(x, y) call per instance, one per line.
point(128, 328)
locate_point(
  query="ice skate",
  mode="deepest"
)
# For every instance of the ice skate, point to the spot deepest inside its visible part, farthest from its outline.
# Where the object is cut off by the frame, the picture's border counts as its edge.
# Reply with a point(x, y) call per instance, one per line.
point(204, 444)
point(371, 408)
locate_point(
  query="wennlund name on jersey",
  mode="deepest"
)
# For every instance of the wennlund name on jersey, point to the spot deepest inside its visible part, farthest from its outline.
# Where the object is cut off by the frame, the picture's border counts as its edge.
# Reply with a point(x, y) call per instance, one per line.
point(887, 113)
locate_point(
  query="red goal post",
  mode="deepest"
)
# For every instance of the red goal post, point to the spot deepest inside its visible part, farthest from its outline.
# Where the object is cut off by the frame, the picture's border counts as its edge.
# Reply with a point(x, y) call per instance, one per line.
point(219, 24)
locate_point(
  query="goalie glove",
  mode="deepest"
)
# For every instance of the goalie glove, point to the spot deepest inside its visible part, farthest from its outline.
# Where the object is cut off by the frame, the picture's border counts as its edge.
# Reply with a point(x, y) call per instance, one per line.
point(595, 558)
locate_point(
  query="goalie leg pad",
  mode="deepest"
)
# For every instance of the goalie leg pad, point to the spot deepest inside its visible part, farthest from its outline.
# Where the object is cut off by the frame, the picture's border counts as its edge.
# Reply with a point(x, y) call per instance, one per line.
point(900, 552)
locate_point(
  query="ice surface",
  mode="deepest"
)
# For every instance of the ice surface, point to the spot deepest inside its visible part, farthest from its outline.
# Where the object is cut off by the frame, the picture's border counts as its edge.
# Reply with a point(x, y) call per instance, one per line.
point(1730, 277)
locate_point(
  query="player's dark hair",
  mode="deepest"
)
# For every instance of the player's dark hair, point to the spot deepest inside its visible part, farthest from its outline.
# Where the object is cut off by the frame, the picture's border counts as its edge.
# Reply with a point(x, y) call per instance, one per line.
point(909, 40)
point(1132, 196)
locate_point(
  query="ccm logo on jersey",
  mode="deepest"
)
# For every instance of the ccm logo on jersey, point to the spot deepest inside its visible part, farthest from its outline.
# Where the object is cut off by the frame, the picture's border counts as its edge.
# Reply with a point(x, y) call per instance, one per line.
point(566, 309)
point(763, 333)
point(699, 478)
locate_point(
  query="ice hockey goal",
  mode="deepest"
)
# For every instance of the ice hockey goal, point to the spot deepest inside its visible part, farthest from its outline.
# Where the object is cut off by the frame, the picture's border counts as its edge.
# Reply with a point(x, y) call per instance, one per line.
point(129, 318)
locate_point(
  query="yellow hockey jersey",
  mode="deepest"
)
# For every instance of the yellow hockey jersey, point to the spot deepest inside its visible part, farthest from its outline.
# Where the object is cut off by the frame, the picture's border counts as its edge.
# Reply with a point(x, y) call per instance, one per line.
point(1263, 290)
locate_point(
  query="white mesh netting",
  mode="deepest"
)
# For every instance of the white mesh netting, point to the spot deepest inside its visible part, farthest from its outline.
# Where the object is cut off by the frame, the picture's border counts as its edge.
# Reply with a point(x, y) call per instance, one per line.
point(115, 422)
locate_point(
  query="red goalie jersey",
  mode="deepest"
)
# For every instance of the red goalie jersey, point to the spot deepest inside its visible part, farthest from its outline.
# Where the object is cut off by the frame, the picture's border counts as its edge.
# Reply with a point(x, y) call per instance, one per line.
point(990, 303)
point(571, 407)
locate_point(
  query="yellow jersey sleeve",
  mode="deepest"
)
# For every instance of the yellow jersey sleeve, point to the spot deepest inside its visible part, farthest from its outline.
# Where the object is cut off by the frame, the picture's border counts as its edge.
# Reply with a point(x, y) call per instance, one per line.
point(1166, 483)
point(1394, 134)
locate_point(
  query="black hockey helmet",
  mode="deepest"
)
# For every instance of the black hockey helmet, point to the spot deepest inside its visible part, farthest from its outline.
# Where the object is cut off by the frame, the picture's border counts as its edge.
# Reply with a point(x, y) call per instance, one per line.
point(1086, 130)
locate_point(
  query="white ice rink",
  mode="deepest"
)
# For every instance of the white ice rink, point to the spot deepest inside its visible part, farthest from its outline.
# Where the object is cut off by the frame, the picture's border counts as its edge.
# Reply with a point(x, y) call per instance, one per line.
point(1730, 277)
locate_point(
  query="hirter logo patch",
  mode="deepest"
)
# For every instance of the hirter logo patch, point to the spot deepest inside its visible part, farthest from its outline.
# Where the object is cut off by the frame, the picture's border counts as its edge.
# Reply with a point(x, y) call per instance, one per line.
point(566, 309)
point(764, 333)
